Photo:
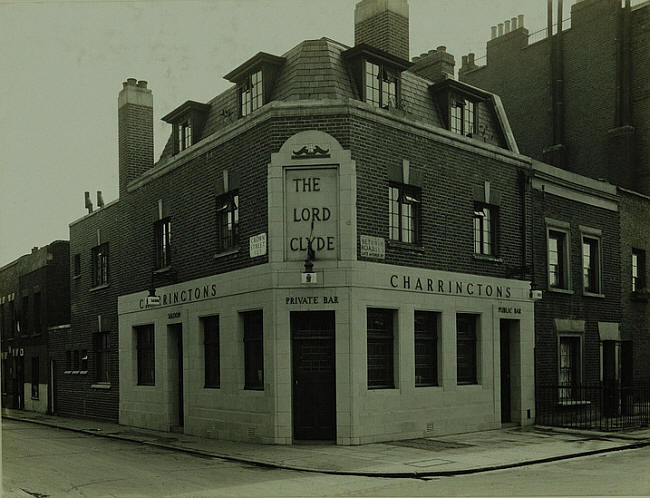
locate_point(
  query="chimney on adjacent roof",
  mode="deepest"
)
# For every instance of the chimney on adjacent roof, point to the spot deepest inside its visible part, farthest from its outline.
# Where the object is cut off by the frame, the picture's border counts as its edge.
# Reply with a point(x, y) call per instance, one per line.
point(436, 65)
point(87, 202)
point(383, 24)
point(135, 131)
point(468, 64)
point(100, 199)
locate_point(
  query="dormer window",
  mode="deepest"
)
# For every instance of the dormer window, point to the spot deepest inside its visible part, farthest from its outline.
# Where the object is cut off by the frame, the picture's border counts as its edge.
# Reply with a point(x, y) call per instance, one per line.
point(251, 93)
point(184, 138)
point(459, 105)
point(255, 79)
point(380, 85)
point(187, 122)
point(462, 117)
point(377, 75)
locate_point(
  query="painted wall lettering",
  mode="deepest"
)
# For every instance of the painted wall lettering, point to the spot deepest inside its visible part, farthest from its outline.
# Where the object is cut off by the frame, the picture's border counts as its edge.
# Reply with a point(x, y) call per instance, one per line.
point(311, 199)
point(456, 287)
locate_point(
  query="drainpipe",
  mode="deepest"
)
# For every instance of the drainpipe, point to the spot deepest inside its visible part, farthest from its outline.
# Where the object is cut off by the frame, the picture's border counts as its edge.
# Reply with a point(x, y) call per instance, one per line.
point(559, 82)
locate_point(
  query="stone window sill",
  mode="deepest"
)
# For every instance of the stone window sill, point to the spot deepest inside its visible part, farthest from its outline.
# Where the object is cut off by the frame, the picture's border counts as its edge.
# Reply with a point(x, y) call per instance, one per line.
point(573, 402)
point(560, 291)
point(101, 385)
point(593, 294)
point(76, 277)
point(227, 252)
point(99, 287)
point(485, 257)
point(398, 244)
point(162, 270)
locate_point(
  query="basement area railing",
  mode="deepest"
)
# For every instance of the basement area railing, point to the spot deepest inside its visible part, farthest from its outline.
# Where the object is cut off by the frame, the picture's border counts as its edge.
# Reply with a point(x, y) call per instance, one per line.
point(603, 407)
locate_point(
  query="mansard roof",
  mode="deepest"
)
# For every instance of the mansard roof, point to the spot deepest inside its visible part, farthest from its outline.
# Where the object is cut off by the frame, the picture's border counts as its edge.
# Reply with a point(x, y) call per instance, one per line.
point(316, 70)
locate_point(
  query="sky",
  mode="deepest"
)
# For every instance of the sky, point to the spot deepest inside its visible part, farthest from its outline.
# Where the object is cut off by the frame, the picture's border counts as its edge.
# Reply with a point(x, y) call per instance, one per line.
point(64, 61)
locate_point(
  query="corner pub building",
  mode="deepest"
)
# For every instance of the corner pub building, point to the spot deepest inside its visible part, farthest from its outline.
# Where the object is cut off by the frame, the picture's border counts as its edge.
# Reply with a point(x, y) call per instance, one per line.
point(332, 249)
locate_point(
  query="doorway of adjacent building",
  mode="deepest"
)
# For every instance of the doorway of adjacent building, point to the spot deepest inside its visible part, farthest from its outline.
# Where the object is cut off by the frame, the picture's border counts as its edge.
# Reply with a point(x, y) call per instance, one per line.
point(314, 375)
point(175, 375)
point(20, 383)
point(610, 378)
point(506, 387)
point(51, 406)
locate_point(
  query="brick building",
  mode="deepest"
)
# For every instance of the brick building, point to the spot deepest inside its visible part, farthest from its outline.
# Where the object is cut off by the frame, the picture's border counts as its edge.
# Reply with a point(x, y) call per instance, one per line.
point(579, 99)
point(340, 246)
point(34, 307)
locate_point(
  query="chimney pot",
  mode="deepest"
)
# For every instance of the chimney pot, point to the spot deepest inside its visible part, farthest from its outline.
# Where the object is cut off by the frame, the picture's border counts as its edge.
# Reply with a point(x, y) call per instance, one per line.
point(88, 202)
point(415, 58)
point(432, 51)
point(442, 48)
point(507, 26)
point(423, 55)
point(124, 84)
point(513, 23)
point(34, 249)
point(131, 81)
point(464, 61)
point(142, 84)
point(494, 32)
point(520, 20)
point(470, 58)
point(500, 29)
point(100, 199)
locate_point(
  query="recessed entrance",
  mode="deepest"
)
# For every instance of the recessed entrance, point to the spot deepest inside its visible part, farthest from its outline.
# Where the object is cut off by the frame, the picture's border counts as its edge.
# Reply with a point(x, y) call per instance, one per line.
point(175, 375)
point(506, 405)
point(314, 375)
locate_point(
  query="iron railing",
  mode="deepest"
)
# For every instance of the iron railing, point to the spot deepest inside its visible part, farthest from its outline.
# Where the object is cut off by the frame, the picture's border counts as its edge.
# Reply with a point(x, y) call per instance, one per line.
point(604, 407)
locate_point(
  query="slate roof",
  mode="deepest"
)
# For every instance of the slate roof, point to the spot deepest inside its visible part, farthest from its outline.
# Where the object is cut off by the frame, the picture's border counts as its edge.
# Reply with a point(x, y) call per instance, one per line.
point(315, 70)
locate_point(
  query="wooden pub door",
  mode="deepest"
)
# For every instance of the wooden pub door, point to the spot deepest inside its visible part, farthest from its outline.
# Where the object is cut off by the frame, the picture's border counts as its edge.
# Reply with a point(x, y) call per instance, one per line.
point(314, 375)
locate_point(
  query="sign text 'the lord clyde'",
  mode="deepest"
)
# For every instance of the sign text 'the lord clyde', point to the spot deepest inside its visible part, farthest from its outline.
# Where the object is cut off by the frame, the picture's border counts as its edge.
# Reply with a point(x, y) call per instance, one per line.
point(311, 199)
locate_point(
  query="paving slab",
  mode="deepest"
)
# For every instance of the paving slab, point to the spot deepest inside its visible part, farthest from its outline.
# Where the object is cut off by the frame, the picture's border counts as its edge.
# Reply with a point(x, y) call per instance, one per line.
point(422, 457)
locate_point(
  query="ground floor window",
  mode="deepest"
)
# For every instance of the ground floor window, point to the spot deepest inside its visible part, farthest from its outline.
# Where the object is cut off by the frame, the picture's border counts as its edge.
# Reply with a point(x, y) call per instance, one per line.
point(380, 348)
point(253, 350)
point(211, 350)
point(146, 355)
point(569, 367)
point(466, 348)
point(35, 377)
point(426, 348)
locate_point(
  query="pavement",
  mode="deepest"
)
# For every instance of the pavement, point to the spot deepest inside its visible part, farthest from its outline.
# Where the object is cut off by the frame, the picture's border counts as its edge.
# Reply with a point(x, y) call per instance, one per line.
point(414, 458)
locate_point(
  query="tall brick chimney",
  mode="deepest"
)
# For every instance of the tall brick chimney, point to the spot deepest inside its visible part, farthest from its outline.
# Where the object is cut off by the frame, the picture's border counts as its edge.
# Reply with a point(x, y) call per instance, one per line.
point(383, 24)
point(135, 131)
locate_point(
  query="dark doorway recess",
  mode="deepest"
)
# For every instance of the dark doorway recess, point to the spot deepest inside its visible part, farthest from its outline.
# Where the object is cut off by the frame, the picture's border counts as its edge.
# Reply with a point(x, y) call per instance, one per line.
point(314, 375)
point(505, 372)
point(176, 350)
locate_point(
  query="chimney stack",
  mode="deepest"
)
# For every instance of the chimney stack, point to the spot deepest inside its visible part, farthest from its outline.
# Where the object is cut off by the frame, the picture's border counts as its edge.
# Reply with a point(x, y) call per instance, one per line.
point(100, 199)
point(88, 202)
point(436, 65)
point(135, 131)
point(468, 64)
point(383, 24)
